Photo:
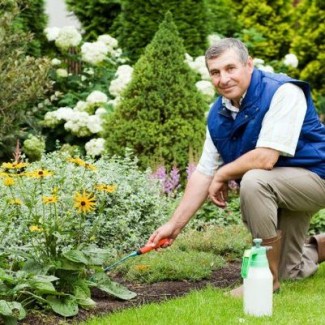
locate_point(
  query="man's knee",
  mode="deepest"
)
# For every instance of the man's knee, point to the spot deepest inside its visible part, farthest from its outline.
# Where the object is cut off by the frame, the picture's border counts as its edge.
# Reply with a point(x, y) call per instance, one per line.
point(251, 183)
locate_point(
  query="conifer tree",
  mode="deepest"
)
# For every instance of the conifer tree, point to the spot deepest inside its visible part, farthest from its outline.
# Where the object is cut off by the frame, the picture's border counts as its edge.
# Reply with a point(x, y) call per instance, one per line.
point(139, 20)
point(308, 44)
point(161, 115)
point(269, 23)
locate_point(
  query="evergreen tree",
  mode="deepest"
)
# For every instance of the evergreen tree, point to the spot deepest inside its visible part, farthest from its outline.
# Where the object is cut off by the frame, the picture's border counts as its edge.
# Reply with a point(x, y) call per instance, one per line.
point(223, 17)
point(95, 16)
point(139, 20)
point(267, 30)
point(308, 44)
point(161, 115)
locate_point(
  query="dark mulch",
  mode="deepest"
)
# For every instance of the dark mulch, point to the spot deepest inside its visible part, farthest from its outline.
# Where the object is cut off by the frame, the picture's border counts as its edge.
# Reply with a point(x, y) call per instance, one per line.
point(146, 293)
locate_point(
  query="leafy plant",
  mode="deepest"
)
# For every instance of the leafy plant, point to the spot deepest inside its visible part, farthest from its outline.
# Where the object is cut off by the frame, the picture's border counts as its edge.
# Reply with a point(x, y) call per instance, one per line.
point(62, 218)
point(23, 79)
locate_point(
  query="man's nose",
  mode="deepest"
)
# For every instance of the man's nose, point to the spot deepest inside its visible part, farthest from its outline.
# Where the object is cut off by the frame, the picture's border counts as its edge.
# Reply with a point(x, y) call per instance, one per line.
point(224, 78)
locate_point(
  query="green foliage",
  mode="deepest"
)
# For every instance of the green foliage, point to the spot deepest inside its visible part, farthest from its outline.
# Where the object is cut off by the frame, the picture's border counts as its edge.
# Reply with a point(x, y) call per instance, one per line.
point(161, 115)
point(223, 17)
point(308, 45)
point(271, 21)
point(171, 264)
point(62, 218)
point(317, 223)
point(23, 79)
point(209, 214)
point(33, 19)
point(139, 20)
point(96, 16)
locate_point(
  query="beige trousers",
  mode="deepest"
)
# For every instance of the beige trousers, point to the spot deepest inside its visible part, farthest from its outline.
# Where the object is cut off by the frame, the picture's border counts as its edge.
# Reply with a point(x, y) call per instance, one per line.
point(284, 198)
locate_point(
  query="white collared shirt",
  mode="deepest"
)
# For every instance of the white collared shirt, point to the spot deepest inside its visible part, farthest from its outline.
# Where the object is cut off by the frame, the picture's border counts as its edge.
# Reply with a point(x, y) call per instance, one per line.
point(280, 130)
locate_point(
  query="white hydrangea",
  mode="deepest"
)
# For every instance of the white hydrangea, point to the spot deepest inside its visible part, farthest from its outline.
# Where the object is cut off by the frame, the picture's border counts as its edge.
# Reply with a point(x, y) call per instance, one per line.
point(52, 119)
point(258, 62)
point(100, 111)
point(94, 53)
point(52, 33)
point(81, 106)
point(95, 147)
point(62, 73)
point(68, 37)
point(108, 40)
point(114, 101)
point(206, 88)
point(55, 62)
point(122, 76)
point(291, 60)
point(198, 65)
point(78, 124)
point(97, 97)
point(94, 124)
point(213, 38)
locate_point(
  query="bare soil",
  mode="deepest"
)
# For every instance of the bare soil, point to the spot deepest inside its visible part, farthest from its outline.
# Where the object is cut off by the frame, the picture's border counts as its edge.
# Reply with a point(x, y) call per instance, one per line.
point(146, 293)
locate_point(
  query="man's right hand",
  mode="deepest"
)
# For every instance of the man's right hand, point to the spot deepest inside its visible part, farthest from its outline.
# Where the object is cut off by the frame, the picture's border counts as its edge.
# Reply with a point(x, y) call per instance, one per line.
point(168, 230)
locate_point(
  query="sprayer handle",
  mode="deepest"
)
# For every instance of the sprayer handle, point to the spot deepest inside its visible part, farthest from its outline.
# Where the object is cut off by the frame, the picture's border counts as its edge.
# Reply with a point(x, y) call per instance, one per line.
point(146, 249)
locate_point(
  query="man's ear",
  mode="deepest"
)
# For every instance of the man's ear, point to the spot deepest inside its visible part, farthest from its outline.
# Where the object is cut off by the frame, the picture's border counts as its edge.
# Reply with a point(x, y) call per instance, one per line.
point(250, 64)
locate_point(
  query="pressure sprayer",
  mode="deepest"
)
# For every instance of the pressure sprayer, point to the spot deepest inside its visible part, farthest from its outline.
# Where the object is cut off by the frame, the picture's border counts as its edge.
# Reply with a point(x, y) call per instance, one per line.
point(258, 281)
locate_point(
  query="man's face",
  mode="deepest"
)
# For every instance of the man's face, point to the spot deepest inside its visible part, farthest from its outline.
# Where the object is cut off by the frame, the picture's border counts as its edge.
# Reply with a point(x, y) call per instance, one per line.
point(230, 76)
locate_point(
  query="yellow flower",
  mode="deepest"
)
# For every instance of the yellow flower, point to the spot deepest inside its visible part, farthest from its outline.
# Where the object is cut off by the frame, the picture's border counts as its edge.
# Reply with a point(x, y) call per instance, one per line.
point(77, 161)
point(40, 173)
point(35, 228)
point(14, 165)
point(106, 188)
point(141, 267)
point(84, 202)
point(15, 201)
point(8, 181)
point(90, 166)
point(50, 199)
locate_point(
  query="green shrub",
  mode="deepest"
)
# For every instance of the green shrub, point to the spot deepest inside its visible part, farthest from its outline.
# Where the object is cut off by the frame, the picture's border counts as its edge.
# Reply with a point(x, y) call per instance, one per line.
point(308, 45)
point(161, 114)
point(139, 20)
point(271, 21)
point(95, 16)
point(23, 80)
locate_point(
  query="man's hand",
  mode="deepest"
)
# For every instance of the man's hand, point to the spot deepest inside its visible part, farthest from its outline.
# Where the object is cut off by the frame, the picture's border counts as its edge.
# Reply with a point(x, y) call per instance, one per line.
point(168, 230)
point(218, 192)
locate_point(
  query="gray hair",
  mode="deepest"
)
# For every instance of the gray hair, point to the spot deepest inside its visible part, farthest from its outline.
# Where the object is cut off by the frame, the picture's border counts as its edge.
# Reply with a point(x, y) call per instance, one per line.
point(225, 44)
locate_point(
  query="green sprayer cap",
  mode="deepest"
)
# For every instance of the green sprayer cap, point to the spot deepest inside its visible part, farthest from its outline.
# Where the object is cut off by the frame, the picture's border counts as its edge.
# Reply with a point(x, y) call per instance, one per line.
point(256, 257)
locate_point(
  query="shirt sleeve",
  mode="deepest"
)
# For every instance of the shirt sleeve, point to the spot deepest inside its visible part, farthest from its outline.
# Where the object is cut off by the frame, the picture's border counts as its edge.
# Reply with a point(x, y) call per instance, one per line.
point(282, 123)
point(210, 158)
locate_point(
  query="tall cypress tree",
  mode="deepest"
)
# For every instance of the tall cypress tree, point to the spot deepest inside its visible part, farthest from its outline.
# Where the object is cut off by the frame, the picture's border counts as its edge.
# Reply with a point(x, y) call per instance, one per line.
point(139, 20)
point(161, 115)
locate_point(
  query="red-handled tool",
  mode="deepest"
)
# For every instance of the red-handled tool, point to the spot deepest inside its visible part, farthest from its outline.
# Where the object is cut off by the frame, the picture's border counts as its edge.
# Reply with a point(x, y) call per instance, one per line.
point(140, 251)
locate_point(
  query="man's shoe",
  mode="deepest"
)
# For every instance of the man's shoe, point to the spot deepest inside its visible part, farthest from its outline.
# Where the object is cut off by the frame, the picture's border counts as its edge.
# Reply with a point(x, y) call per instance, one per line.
point(319, 242)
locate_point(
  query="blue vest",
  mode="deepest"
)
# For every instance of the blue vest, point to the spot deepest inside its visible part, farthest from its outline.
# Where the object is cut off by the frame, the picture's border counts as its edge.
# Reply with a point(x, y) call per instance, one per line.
point(234, 138)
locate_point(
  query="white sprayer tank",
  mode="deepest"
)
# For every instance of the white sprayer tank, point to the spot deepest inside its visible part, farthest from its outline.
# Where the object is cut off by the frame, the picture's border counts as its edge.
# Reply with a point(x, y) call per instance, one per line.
point(258, 282)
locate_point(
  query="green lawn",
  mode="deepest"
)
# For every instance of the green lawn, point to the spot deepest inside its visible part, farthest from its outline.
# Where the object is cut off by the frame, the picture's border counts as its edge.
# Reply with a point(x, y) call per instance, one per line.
point(298, 303)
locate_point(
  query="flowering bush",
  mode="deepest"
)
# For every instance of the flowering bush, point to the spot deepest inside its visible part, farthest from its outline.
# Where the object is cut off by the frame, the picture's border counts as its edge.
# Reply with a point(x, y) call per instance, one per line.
point(63, 216)
point(83, 95)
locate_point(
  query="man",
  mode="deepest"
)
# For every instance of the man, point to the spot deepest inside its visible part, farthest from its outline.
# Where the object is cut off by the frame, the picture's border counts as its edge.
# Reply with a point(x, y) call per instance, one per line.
point(266, 132)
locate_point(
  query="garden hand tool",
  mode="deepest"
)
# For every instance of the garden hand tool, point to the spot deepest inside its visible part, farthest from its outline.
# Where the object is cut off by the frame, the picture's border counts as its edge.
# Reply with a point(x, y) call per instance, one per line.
point(140, 251)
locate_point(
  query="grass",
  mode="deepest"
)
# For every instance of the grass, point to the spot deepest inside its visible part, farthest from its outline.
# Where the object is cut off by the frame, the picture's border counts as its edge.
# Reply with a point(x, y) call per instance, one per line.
point(298, 303)
point(193, 256)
